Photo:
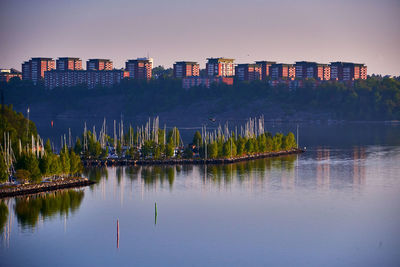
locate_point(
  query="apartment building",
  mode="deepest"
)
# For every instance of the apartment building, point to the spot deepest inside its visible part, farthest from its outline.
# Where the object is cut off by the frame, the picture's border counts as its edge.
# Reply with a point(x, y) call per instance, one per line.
point(35, 68)
point(186, 69)
point(265, 68)
point(307, 70)
point(220, 67)
point(248, 72)
point(99, 64)
point(281, 70)
point(7, 74)
point(348, 71)
point(68, 63)
point(140, 68)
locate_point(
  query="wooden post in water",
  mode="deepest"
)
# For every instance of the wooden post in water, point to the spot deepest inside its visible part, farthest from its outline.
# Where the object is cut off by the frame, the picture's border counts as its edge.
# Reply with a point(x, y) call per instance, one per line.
point(155, 213)
point(117, 233)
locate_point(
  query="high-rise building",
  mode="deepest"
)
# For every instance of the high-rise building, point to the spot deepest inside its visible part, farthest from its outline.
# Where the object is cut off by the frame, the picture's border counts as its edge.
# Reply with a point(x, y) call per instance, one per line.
point(223, 67)
point(7, 74)
point(348, 71)
point(140, 68)
point(99, 64)
point(68, 63)
point(307, 70)
point(265, 66)
point(248, 72)
point(279, 71)
point(186, 69)
point(34, 68)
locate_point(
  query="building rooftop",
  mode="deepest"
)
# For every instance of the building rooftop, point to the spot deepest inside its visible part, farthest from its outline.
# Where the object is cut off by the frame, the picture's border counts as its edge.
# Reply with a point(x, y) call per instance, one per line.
point(99, 59)
point(220, 59)
point(42, 58)
point(74, 58)
point(267, 62)
point(186, 62)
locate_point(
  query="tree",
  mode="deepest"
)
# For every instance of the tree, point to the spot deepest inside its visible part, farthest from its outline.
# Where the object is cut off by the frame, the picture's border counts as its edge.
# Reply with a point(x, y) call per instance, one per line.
point(3, 169)
point(30, 163)
point(170, 150)
point(212, 150)
point(22, 176)
point(65, 161)
point(75, 163)
point(119, 148)
point(47, 146)
point(78, 146)
point(197, 140)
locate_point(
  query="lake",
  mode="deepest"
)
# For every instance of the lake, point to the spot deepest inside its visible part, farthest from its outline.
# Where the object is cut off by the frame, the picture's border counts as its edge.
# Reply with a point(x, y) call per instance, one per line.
point(338, 204)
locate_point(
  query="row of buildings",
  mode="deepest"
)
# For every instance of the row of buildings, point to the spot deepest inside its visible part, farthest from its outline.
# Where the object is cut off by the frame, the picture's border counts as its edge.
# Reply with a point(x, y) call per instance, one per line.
point(263, 70)
point(68, 71)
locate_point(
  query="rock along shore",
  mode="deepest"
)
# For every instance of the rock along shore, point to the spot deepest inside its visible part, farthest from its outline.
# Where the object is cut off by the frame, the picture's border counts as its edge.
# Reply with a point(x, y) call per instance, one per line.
point(16, 190)
point(131, 162)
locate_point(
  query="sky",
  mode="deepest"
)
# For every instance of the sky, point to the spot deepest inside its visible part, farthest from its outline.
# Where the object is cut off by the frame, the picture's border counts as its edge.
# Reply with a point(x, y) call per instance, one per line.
point(362, 31)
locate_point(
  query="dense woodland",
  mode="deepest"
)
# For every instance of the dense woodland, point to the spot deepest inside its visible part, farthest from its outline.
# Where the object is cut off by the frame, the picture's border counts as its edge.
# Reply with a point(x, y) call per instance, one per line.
point(376, 98)
point(23, 154)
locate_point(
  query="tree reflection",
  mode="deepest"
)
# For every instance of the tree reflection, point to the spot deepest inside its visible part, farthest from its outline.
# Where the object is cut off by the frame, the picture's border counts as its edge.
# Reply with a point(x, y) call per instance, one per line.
point(244, 170)
point(95, 173)
point(3, 215)
point(28, 209)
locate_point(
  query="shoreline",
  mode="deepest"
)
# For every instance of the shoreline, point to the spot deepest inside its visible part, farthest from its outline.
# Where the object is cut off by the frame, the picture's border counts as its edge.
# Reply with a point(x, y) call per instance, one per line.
point(18, 190)
point(131, 162)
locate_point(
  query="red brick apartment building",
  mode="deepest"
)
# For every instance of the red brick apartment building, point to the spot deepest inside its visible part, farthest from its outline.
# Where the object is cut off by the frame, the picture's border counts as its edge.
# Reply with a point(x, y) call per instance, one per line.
point(186, 69)
point(99, 64)
point(223, 67)
point(348, 71)
point(307, 70)
point(265, 66)
point(279, 71)
point(248, 72)
point(7, 74)
point(140, 68)
point(34, 68)
point(68, 63)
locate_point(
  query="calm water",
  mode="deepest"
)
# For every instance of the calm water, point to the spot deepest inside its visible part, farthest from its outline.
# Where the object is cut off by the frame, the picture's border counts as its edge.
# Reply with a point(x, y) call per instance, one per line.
point(335, 205)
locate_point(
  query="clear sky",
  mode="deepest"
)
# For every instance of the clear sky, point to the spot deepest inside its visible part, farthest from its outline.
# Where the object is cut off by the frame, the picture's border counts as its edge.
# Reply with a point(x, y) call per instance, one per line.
point(363, 31)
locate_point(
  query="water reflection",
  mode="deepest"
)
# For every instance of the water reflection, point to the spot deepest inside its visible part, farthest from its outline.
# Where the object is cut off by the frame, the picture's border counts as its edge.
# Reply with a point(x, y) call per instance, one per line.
point(320, 169)
point(3, 215)
point(45, 206)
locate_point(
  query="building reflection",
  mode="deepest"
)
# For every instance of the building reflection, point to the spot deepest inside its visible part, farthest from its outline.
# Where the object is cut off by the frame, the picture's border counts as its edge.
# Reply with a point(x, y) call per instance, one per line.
point(323, 168)
point(327, 173)
point(359, 166)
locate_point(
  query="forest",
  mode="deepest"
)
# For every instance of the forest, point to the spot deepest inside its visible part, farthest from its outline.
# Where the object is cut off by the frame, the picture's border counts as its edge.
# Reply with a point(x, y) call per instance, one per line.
point(377, 98)
point(23, 154)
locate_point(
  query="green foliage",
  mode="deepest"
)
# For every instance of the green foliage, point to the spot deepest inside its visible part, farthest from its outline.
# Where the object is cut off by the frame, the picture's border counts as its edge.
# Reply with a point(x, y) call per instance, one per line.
point(17, 126)
point(3, 215)
point(78, 146)
point(65, 162)
point(22, 176)
point(75, 163)
point(119, 148)
point(197, 140)
point(3, 169)
point(212, 150)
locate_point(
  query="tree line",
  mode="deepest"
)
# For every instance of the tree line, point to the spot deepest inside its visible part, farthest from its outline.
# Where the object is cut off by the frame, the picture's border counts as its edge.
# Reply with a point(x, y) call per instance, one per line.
point(376, 98)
